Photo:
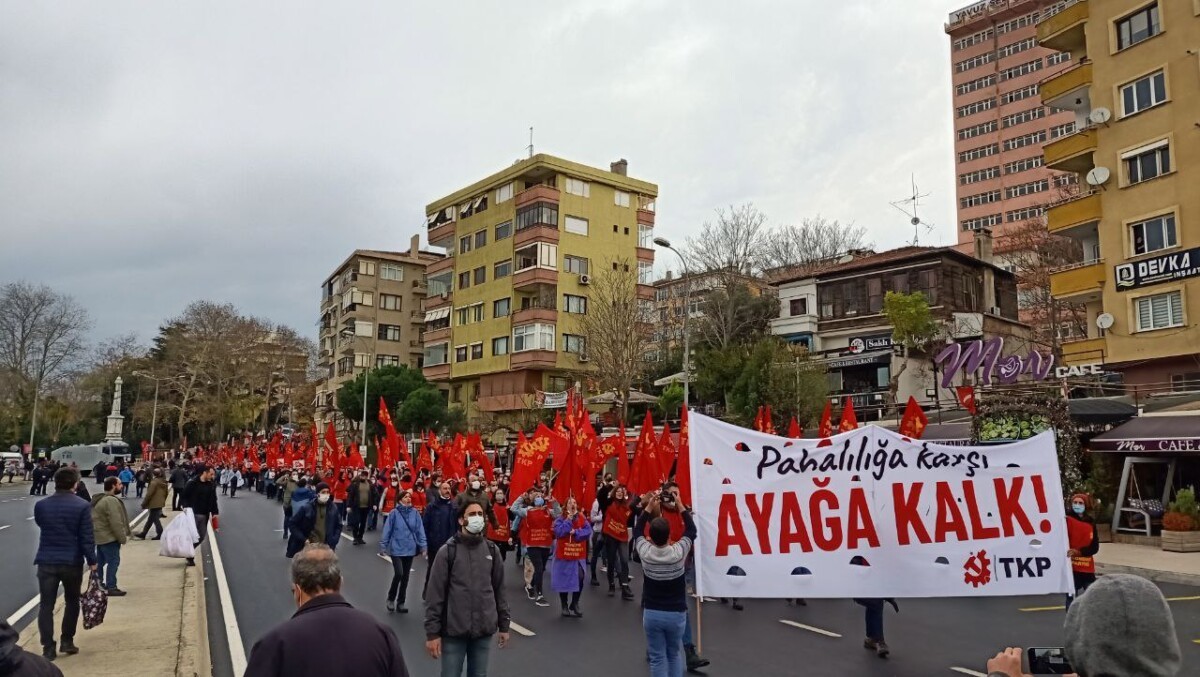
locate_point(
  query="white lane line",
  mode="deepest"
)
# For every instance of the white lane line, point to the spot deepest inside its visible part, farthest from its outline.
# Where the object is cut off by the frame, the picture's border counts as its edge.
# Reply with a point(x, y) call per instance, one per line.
point(20, 613)
point(233, 635)
point(347, 536)
point(30, 517)
point(383, 557)
point(521, 629)
point(965, 671)
point(810, 628)
point(5, 527)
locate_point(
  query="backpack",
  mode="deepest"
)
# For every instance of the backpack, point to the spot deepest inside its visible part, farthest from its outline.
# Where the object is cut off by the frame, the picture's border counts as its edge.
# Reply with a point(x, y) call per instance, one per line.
point(451, 549)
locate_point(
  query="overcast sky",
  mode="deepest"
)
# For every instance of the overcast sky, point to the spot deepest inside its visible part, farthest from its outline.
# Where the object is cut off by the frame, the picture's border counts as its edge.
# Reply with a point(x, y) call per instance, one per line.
point(155, 153)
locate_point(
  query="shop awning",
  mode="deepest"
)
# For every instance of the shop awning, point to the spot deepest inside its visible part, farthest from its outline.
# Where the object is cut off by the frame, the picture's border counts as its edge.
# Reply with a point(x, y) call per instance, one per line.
point(437, 314)
point(873, 357)
point(1152, 434)
point(948, 433)
point(1103, 410)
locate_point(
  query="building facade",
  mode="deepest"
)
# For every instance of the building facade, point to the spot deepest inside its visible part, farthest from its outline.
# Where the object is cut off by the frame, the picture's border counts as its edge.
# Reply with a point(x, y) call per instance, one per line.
point(371, 316)
point(502, 318)
point(1000, 123)
point(673, 292)
point(1135, 97)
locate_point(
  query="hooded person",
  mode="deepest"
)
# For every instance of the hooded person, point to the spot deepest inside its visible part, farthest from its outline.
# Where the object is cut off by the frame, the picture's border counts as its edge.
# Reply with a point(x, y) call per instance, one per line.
point(315, 521)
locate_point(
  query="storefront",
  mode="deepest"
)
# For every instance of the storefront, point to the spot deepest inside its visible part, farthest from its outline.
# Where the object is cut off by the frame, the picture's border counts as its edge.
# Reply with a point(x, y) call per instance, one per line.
point(863, 377)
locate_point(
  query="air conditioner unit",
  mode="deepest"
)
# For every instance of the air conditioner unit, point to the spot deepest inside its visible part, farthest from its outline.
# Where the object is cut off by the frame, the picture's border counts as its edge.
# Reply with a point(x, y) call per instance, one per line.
point(584, 358)
point(585, 279)
point(994, 310)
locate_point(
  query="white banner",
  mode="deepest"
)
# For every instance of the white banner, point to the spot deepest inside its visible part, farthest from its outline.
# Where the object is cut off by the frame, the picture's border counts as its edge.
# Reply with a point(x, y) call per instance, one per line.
point(872, 514)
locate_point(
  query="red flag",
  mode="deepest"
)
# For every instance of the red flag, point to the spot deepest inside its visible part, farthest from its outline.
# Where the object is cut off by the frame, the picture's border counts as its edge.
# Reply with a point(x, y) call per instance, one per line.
point(768, 421)
point(356, 459)
point(331, 440)
point(683, 466)
point(794, 430)
point(424, 460)
point(849, 420)
point(758, 419)
point(665, 453)
point(914, 422)
point(966, 397)
point(622, 456)
point(645, 460)
point(825, 429)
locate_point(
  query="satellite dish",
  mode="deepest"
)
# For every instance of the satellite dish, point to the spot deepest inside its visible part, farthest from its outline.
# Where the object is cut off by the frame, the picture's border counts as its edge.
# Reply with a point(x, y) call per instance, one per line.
point(1098, 176)
point(1104, 320)
point(1100, 116)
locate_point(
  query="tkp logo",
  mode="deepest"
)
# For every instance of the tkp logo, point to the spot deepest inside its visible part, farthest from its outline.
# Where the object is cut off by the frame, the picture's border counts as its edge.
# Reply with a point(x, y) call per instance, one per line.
point(977, 570)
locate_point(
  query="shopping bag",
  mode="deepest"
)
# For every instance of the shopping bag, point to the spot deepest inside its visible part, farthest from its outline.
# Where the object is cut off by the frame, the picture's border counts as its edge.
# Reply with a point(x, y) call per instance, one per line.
point(94, 603)
point(177, 538)
point(190, 524)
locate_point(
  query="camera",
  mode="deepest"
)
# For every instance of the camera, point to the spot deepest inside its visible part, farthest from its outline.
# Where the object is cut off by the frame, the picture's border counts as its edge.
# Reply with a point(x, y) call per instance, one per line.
point(666, 496)
point(1049, 661)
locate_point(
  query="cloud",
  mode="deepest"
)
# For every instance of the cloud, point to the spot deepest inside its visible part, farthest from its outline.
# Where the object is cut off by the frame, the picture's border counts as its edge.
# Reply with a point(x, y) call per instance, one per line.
point(158, 154)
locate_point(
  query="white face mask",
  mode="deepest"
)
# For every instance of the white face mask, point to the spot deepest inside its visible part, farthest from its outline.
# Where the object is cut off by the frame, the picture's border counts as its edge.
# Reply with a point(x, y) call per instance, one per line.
point(475, 524)
point(475, 485)
point(322, 498)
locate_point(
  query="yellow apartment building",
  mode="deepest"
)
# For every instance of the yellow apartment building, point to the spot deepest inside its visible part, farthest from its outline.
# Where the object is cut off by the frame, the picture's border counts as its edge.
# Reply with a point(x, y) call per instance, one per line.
point(502, 317)
point(1135, 92)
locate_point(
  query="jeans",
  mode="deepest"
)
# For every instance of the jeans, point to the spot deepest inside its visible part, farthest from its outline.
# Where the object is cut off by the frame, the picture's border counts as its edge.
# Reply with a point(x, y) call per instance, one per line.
point(108, 560)
point(155, 518)
point(401, 567)
point(538, 557)
point(49, 577)
point(125, 491)
point(874, 617)
point(616, 556)
point(664, 641)
point(140, 489)
point(473, 652)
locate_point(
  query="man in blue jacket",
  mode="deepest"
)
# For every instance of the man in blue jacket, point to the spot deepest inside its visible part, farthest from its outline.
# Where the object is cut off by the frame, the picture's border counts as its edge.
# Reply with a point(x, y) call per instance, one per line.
point(65, 543)
point(315, 521)
point(441, 523)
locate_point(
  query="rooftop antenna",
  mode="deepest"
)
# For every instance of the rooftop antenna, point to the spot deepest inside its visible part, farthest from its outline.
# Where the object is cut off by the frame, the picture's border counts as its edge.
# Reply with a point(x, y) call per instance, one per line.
point(909, 206)
point(531, 142)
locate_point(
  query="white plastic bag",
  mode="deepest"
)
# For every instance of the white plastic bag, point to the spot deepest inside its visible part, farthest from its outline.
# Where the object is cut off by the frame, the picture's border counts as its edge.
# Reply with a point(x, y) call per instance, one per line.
point(177, 539)
point(190, 524)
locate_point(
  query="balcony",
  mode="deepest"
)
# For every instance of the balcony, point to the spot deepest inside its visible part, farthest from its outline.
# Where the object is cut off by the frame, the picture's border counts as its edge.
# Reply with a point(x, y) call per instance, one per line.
point(1064, 31)
point(1078, 282)
point(498, 403)
point(439, 372)
point(436, 301)
point(645, 291)
point(435, 335)
point(645, 216)
point(420, 287)
point(540, 192)
point(442, 236)
point(533, 359)
point(1084, 351)
point(439, 266)
point(538, 233)
point(1071, 214)
point(1071, 153)
point(1060, 91)
point(534, 276)
point(645, 254)
point(527, 315)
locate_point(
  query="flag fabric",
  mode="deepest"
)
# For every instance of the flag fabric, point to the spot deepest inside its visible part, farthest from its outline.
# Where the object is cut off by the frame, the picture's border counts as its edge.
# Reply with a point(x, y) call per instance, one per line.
point(355, 460)
point(825, 429)
point(424, 459)
point(622, 457)
point(849, 420)
point(915, 421)
point(966, 397)
point(768, 421)
point(794, 430)
point(645, 460)
point(683, 466)
point(758, 419)
point(528, 461)
point(665, 452)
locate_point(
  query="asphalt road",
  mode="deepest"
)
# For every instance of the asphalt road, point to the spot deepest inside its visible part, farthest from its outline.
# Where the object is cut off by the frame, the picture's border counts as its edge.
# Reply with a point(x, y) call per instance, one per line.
point(928, 637)
point(18, 545)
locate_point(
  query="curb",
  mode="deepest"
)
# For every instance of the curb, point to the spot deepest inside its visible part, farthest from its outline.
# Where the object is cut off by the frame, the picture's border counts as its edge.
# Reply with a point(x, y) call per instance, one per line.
point(1150, 574)
point(203, 662)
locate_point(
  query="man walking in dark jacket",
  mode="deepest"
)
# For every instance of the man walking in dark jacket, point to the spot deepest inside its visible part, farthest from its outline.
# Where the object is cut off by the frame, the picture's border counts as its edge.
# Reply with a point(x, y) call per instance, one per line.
point(200, 495)
point(179, 480)
point(65, 543)
point(440, 524)
point(315, 521)
point(359, 499)
point(361, 645)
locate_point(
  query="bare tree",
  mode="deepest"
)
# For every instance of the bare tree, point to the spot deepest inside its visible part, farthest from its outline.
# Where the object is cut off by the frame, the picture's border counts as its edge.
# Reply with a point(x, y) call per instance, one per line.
point(811, 242)
point(735, 242)
point(618, 329)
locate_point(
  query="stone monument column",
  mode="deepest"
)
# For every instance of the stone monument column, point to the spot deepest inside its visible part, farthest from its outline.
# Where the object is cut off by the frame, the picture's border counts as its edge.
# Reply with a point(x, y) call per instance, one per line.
point(116, 422)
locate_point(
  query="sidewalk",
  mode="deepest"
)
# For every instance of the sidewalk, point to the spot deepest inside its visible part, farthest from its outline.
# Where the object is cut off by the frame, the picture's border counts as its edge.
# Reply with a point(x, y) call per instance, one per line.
point(1149, 562)
point(157, 630)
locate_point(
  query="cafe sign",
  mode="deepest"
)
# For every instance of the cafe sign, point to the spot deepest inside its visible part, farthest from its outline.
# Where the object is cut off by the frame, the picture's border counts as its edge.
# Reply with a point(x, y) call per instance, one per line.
point(860, 344)
point(1158, 269)
point(1166, 444)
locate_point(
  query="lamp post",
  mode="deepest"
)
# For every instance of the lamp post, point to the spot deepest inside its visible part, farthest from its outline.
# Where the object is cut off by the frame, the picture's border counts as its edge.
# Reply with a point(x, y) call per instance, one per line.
point(154, 410)
point(37, 393)
point(687, 310)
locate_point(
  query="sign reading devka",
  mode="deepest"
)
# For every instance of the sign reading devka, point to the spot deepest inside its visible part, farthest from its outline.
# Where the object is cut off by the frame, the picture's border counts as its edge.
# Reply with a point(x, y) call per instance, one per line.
point(1157, 270)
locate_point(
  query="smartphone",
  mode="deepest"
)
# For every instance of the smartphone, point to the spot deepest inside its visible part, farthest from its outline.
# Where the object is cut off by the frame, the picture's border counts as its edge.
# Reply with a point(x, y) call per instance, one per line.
point(1049, 661)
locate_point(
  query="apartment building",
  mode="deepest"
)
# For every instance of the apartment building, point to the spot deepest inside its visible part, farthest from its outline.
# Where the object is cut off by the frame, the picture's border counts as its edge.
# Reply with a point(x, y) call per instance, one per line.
point(1000, 122)
point(1134, 93)
point(673, 292)
point(503, 314)
point(371, 316)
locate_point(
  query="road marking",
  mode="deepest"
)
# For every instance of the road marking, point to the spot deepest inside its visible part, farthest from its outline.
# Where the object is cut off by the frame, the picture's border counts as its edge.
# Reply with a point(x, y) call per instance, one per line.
point(1183, 599)
point(810, 628)
point(521, 629)
point(20, 613)
point(383, 557)
point(1062, 608)
point(233, 636)
point(5, 527)
point(965, 671)
point(30, 517)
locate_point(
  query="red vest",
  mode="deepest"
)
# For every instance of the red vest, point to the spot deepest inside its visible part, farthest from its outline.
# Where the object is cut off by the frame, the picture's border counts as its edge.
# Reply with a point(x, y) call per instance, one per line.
point(1079, 536)
point(502, 530)
point(616, 521)
point(675, 519)
point(537, 530)
point(567, 548)
point(389, 499)
point(419, 500)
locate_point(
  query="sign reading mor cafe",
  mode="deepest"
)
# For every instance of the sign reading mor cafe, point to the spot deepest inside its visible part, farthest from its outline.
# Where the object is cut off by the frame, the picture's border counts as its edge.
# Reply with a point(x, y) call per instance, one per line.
point(1158, 269)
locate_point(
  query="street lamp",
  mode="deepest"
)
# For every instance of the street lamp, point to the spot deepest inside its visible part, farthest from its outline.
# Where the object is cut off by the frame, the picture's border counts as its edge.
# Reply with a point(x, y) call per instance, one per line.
point(154, 411)
point(687, 310)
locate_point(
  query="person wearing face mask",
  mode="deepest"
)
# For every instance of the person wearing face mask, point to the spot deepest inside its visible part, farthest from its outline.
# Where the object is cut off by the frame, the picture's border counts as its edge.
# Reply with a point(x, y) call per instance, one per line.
point(465, 603)
point(572, 531)
point(324, 618)
point(537, 534)
point(360, 497)
point(1084, 542)
point(200, 495)
point(315, 521)
point(403, 539)
point(501, 534)
point(477, 493)
point(440, 523)
point(618, 519)
point(287, 484)
point(387, 497)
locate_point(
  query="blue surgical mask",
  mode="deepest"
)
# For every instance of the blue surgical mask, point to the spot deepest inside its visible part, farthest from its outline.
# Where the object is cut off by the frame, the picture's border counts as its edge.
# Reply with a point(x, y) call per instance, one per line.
point(1078, 508)
point(539, 501)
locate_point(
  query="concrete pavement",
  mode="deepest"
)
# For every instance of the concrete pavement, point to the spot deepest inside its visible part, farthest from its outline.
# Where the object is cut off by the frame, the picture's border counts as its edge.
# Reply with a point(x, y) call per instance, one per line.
point(1149, 562)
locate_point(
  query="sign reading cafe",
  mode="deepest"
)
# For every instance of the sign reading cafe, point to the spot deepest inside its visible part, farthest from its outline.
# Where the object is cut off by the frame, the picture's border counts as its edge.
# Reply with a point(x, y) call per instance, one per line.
point(1158, 269)
point(988, 356)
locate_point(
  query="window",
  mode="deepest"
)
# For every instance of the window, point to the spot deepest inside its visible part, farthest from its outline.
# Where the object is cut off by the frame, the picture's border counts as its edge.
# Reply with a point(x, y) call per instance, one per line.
point(1023, 69)
point(980, 199)
point(797, 307)
point(1019, 22)
point(470, 314)
point(573, 343)
point(977, 130)
point(1064, 129)
point(973, 62)
point(436, 354)
point(460, 353)
point(574, 224)
point(480, 275)
point(389, 332)
point(464, 244)
point(1153, 234)
point(645, 236)
point(981, 222)
point(978, 175)
point(502, 269)
point(500, 345)
point(1057, 58)
point(1139, 26)
point(464, 280)
point(577, 187)
point(1147, 162)
point(1017, 47)
point(440, 284)
point(645, 272)
point(539, 254)
point(362, 360)
point(977, 107)
point(575, 264)
point(1143, 93)
point(363, 328)
point(480, 239)
point(1018, 94)
point(971, 40)
point(1024, 165)
point(504, 193)
point(1160, 311)
point(366, 267)
point(976, 153)
point(503, 231)
point(477, 351)
point(391, 302)
point(557, 384)
point(537, 214)
point(1066, 180)
point(575, 304)
point(387, 361)
point(533, 337)
point(501, 307)
point(620, 198)
point(975, 85)
point(1023, 117)
point(1186, 381)
point(456, 394)
point(1035, 138)
point(1025, 214)
point(355, 297)
point(1028, 188)
point(391, 271)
